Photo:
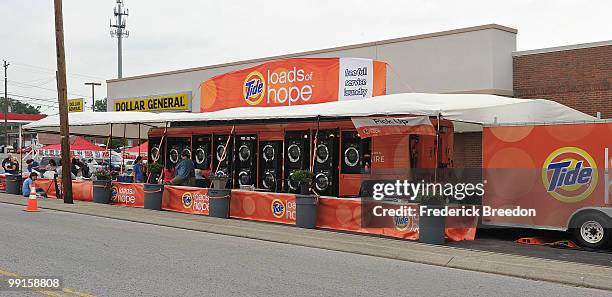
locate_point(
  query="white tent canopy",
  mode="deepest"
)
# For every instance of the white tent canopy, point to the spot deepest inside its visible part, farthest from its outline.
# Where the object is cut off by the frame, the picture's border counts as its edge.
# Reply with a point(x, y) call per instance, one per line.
point(468, 111)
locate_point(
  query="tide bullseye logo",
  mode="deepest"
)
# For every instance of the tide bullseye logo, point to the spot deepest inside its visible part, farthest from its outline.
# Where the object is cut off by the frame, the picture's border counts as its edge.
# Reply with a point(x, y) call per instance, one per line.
point(278, 208)
point(569, 174)
point(114, 193)
point(254, 88)
point(187, 199)
point(402, 223)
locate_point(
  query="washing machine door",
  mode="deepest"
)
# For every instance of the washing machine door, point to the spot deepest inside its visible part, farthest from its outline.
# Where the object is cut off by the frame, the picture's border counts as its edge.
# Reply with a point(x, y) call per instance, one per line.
point(200, 155)
point(321, 182)
point(322, 153)
point(269, 181)
point(188, 152)
point(155, 154)
point(293, 185)
point(219, 150)
point(244, 153)
point(294, 153)
point(244, 178)
point(174, 155)
point(351, 156)
point(268, 153)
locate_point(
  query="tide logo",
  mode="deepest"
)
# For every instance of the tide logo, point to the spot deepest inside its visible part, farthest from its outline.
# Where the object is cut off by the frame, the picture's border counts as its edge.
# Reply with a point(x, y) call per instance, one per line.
point(403, 223)
point(254, 88)
point(278, 208)
point(187, 199)
point(114, 193)
point(569, 174)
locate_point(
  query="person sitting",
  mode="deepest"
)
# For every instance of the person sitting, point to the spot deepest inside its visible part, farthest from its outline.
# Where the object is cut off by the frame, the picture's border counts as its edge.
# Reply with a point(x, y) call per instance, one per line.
point(167, 175)
point(32, 165)
point(184, 171)
point(139, 176)
point(10, 165)
point(28, 184)
point(50, 170)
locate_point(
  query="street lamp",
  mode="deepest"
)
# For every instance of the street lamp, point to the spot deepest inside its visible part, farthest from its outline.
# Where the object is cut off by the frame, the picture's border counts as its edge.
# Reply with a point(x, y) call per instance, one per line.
point(93, 98)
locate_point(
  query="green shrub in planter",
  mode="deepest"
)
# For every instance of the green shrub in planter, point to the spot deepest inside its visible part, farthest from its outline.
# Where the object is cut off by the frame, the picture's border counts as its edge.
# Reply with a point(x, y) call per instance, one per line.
point(303, 178)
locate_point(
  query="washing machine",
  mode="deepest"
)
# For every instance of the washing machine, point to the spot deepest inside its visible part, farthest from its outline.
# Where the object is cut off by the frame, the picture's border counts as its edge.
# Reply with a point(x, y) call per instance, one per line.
point(155, 150)
point(245, 177)
point(222, 157)
point(270, 165)
point(324, 182)
point(297, 149)
point(351, 153)
point(201, 154)
point(269, 179)
point(291, 186)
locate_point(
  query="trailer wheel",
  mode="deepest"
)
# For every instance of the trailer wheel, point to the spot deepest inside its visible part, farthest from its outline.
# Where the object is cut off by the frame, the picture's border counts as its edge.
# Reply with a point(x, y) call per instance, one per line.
point(593, 230)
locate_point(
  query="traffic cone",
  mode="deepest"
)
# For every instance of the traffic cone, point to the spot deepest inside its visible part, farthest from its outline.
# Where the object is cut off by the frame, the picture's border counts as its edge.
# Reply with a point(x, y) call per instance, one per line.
point(32, 203)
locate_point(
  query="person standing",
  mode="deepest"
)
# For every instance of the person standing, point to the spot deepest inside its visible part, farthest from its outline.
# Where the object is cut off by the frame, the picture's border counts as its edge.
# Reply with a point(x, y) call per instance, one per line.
point(139, 176)
point(184, 171)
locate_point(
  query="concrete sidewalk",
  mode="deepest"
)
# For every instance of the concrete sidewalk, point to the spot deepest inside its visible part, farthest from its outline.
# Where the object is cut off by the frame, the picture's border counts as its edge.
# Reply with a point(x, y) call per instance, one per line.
point(524, 267)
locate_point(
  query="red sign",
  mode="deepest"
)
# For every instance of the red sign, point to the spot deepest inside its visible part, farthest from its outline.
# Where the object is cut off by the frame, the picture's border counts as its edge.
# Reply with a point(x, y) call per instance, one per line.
point(379, 126)
point(267, 207)
point(127, 194)
point(185, 199)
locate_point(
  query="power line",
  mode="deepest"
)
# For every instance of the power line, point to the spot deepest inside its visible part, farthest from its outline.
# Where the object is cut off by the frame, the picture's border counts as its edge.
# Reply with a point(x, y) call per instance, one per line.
point(47, 69)
point(43, 88)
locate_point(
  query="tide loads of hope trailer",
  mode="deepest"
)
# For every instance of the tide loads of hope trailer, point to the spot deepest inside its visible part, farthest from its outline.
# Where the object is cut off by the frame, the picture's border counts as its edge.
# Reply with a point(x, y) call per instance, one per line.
point(560, 170)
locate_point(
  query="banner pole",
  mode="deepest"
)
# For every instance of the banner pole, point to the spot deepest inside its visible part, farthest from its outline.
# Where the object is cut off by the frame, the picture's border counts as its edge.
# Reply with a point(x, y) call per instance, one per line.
point(437, 147)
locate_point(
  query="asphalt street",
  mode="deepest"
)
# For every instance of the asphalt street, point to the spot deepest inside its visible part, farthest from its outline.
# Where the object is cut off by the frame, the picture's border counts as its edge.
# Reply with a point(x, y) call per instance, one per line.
point(107, 257)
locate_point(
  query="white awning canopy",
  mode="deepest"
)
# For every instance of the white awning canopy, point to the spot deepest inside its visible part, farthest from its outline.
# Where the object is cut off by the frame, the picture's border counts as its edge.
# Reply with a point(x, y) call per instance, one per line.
point(469, 112)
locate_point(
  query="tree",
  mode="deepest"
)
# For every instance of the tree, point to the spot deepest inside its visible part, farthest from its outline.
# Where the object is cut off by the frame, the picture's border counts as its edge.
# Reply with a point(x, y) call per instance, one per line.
point(100, 105)
point(19, 107)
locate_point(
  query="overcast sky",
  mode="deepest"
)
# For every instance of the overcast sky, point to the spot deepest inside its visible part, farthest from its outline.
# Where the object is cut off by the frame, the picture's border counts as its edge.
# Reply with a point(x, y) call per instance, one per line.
point(169, 35)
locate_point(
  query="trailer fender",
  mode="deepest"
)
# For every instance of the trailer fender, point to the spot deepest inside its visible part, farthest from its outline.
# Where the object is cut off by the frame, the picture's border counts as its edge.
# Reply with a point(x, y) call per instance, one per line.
point(607, 211)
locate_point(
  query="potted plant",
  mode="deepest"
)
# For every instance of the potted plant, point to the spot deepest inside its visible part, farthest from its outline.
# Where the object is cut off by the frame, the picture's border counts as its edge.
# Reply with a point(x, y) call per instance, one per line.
point(219, 180)
point(102, 187)
point(155, 170)
point(303, 178)
point(431, 225)
point(153, 191)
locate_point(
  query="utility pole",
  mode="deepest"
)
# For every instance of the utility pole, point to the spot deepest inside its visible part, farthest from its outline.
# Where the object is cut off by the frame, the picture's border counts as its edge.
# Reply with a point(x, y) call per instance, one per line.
point(62, 97)
point(6, 106)
point(93, 98)
point(118, 31)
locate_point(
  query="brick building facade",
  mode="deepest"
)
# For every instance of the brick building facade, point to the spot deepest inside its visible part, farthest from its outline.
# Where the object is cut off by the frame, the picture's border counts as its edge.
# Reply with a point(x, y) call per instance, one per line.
point(579, 76)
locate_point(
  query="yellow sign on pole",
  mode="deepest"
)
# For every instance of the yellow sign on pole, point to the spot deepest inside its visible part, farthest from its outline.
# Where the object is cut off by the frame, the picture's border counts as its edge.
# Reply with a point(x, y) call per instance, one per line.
point(75, 105)
point(170, 102)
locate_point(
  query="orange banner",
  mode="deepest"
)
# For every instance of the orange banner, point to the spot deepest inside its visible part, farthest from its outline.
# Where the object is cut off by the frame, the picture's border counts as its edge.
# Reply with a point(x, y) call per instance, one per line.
point(185, 199)
point(336, 214)
point(260, 206)
point(380, 126)
point(127, 194)
point(295, 82)
point(81, 190)
point(552, 169)
point(2, 182)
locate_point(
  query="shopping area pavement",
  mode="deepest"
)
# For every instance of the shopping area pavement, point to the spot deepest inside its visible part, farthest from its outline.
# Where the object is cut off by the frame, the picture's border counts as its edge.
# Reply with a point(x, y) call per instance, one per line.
point(490, 255)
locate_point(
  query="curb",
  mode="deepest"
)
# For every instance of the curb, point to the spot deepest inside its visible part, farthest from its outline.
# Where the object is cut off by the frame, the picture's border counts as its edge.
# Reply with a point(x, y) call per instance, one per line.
point(575, 274)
